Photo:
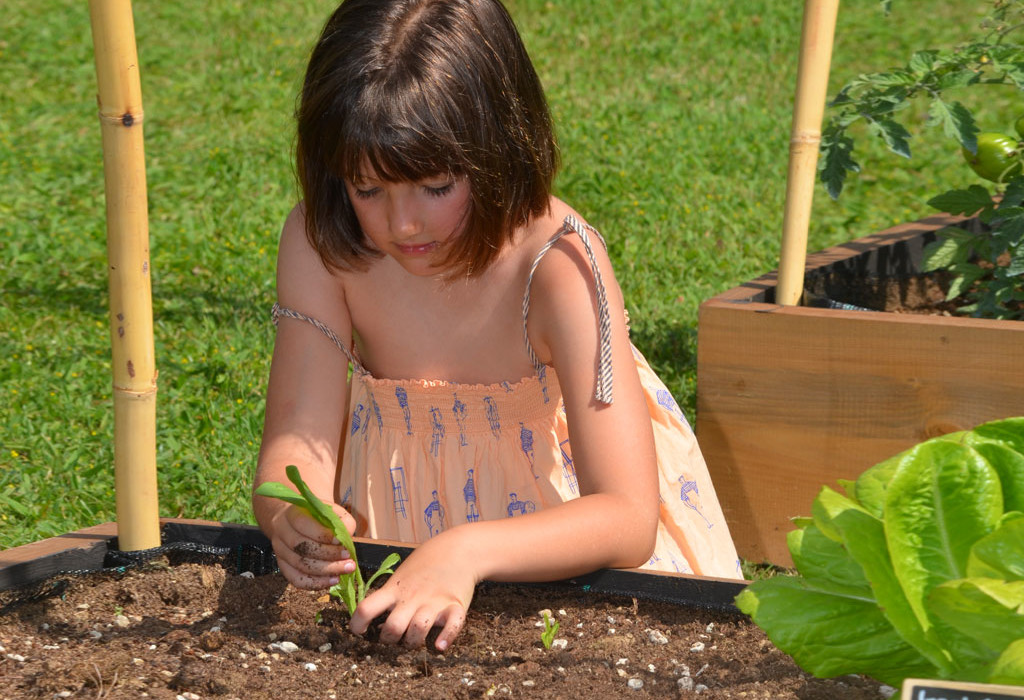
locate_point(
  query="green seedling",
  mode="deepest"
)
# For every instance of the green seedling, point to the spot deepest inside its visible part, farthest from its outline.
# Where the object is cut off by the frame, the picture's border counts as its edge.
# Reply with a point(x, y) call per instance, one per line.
point(550, 629)
point(351, 588)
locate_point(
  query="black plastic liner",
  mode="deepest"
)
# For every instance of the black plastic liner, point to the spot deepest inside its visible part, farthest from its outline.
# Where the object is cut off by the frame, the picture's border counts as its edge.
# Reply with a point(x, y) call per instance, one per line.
point(244, 548)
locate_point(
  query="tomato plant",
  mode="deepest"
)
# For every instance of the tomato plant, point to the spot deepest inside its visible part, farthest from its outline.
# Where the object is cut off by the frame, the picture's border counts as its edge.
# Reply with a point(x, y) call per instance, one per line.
point(988, 267)
point(997, 157)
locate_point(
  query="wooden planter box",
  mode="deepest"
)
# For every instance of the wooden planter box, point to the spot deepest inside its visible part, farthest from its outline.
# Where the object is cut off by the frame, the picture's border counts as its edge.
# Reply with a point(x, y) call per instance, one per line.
point(95, 548)
point(793, 398)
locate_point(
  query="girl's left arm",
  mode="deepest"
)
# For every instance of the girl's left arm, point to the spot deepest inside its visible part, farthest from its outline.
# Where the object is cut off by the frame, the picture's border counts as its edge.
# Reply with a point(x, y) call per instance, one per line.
point(614, 521)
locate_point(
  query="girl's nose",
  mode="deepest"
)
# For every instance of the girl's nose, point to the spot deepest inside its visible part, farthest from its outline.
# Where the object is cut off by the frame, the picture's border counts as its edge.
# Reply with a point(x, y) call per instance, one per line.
point(403, 219)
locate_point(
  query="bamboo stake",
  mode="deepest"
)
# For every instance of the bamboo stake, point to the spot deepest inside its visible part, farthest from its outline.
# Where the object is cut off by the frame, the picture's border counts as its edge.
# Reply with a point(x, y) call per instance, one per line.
point(131, 312)
point(816, 37)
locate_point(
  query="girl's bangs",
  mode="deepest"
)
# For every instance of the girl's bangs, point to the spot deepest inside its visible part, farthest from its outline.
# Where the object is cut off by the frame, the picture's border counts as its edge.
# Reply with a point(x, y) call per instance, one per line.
point(397, 144)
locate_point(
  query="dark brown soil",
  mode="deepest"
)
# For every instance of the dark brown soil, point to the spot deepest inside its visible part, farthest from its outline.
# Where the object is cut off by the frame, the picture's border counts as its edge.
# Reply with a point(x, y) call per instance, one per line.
point(197, 631)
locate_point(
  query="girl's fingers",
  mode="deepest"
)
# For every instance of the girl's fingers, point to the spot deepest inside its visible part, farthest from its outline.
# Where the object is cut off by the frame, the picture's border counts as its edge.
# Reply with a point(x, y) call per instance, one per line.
point(453, 617)
point(372, 605)
point(302, 579)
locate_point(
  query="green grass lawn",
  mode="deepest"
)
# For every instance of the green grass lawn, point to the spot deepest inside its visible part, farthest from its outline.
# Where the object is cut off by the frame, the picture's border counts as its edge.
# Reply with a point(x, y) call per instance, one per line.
point(673, 119)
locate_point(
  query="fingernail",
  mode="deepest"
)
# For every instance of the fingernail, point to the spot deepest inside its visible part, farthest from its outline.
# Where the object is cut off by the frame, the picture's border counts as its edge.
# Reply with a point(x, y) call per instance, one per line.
point(442, 644)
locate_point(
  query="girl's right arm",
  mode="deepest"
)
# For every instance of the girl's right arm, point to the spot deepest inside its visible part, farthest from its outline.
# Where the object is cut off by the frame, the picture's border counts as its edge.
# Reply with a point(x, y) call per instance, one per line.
point(307, 399)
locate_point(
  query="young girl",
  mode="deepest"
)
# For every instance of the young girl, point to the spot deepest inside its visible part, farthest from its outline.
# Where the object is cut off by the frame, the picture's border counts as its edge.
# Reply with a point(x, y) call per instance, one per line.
point(495, 412)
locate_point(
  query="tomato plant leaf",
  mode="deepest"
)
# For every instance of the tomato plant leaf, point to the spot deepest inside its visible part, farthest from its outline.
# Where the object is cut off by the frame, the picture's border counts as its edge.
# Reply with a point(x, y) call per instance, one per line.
point(956, 120)
point(967, 202)
point(894, 134)
point(836, 160)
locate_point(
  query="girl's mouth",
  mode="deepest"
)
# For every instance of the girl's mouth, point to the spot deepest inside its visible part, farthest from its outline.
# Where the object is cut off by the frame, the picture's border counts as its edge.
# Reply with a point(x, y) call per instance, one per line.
point(418, 249)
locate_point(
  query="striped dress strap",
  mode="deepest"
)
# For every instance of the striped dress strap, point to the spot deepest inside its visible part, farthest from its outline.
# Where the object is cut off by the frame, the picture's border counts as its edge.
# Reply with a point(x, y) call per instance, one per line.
point(603, 390)
point(278, 312)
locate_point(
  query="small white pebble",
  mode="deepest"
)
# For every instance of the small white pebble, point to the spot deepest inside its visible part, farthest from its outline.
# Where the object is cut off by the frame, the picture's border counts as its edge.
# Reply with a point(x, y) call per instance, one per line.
point(579, 625)
point(635, 683)
point(289, 647)
point(138, 662)
point(562, 612)
point(701, 670)
point(82, 606)
point(560, 643)
point(560, 669)
point(215, 628)
point(2, 649)
point(529, 684)
point(63, 694)
point(710, 628)
point(50, 647)
point(310, 667)
point(699, 688)
point(16, 657)
point(621, 672)
point(95, 634)
point(685, 683)
point(651, 668)
point(152, 647)
point(121, 621)
point(222, 619)
point(45, 626)
point(247, 574)
point(611, 620)
point(189, 696)
point(324, 648)
point(611, 630)
point(272, 636)
point(656, 637)
point(265, 669)
point(622, 661)
point(698, 646)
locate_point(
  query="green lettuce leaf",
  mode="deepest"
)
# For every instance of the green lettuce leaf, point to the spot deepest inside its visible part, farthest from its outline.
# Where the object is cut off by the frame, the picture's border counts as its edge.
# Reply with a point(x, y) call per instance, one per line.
point(863, 536)
point(1009, 667)
point(938, 505)
point(1000, 554)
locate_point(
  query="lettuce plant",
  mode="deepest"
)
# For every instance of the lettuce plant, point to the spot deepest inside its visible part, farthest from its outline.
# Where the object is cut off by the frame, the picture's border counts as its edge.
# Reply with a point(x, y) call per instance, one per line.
point(350, 588)
point(916, 571)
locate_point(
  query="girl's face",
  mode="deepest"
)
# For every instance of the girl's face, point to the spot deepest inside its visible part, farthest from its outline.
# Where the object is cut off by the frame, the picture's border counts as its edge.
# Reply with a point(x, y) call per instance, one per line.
point(411, 221)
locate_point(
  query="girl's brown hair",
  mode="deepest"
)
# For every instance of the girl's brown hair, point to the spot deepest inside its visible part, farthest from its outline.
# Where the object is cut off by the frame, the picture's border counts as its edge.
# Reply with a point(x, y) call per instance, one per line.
point(417, 88)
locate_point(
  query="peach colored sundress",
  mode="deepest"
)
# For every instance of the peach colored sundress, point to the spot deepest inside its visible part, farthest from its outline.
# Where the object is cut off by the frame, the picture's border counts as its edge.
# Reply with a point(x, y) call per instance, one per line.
point(422, 456)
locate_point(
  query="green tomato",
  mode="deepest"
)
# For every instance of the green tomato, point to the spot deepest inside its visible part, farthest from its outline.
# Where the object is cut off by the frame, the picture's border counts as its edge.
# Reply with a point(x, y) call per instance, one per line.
point(997, 159)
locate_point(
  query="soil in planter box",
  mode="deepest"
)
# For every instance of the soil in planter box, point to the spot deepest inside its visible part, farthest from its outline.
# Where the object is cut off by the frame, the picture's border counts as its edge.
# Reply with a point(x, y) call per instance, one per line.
point(198, 631)
point(911, 294)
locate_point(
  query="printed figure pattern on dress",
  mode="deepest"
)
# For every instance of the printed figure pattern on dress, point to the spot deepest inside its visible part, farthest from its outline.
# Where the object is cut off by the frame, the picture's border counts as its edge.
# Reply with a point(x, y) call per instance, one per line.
point(469, 494)
point(433, 516)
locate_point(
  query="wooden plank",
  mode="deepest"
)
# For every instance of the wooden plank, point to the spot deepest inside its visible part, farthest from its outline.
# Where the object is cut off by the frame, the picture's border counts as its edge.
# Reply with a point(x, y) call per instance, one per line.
point(793, 398)
point(37, 561)
point(86, 549)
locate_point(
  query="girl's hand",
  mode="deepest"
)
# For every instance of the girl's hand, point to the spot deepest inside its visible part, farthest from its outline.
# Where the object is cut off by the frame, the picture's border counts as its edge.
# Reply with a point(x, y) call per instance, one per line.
point(308, 553)
point(433, 587)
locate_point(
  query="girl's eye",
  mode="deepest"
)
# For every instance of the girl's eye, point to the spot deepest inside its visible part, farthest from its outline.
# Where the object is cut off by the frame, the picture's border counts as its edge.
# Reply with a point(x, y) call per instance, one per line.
point(440, 191)
point(366, 194)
